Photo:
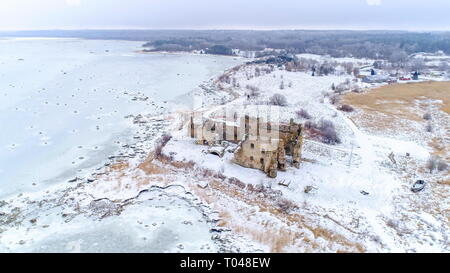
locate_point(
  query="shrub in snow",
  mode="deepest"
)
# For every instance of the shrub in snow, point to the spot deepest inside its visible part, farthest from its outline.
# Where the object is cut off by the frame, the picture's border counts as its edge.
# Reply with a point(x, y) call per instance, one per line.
point(341, 88)
point(329, 134)
point(225, 79)
point(324, 123)
point(252, 88)
point(392, 223)
point(432, 164)
point(334, 98)
point(429, 128)
point(436, 163)
point(160, 143)
point(346, 108)
point(427, 116)
point(442, 165)
point(376, 239)
point(356, 88)
point(326, 69)
point(234, 82)
point(253, 91)
point(309, 125)
point(257, 71)
point(278, 99)
point(302, 113)
point(324, 130)
point(260, 188)
point(285, 205)
point(207, 173)
point(236, 182)
point(104, 208)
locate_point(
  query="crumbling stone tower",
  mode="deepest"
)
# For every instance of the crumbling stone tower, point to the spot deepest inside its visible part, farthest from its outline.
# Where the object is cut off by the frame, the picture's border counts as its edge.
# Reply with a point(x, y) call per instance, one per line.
point(261, 145)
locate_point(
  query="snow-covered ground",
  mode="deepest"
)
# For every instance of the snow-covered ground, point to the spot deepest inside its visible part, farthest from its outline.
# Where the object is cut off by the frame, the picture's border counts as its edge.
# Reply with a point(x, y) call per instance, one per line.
point(186, 199)
point(321, 58)
point(358, 191)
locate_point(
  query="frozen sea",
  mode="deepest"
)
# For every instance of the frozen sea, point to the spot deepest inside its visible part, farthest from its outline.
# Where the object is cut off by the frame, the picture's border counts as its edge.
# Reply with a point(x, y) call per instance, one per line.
point(63, 102)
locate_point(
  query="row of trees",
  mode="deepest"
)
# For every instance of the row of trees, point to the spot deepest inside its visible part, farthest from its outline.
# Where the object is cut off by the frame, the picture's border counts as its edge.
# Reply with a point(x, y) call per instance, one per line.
point(388, 45)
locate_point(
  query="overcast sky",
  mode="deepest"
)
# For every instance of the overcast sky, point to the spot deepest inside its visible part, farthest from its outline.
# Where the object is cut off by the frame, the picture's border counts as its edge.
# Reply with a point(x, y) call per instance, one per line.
point(225, 14)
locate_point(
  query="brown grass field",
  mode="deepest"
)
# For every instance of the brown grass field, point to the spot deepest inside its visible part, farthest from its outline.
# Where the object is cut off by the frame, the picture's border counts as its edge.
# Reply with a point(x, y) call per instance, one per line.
point(394, 108)
point(387, 98)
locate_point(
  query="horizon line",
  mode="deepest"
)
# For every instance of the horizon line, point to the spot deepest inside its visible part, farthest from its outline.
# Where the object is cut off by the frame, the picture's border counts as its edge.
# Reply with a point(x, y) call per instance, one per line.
point(228, 29)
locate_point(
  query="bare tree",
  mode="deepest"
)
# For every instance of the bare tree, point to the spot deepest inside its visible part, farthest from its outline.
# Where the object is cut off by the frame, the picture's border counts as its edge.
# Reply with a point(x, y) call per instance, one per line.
point(349, 68)
point(278, 99)
point(398, 58)
point(417, 64)
point(329, 134)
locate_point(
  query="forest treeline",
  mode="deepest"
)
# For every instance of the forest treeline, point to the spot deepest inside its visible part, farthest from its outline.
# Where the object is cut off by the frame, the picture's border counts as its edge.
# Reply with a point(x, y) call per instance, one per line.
point(391, 45)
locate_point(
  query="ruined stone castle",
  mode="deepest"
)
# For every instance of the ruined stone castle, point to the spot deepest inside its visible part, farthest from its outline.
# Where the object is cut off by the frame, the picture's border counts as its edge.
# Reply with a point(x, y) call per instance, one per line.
point(260, 144)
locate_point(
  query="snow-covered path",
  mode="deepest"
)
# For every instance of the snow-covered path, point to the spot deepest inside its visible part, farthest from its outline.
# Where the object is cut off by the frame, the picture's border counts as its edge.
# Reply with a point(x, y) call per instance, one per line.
point(370, 174)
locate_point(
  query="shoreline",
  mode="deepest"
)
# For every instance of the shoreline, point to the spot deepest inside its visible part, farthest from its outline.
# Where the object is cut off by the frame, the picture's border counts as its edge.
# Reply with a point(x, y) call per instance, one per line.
point(143, 51)
point(107, 113)
point(147, 127)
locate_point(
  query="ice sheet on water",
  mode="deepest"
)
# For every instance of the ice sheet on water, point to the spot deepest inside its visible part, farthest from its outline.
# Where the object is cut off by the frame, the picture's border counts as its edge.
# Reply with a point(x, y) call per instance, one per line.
point(59, 94)
point(157, 224)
